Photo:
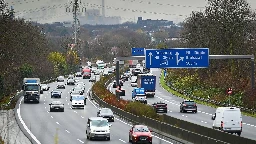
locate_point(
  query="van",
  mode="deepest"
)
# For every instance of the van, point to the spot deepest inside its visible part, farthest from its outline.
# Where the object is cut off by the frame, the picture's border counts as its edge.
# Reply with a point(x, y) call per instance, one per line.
point(98, 128)
point(134, 81)
point(228, 119)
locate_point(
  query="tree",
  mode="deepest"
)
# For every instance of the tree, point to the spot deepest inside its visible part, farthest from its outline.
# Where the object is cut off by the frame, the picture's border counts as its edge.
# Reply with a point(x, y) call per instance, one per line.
point(59, 62)
point(160, 36)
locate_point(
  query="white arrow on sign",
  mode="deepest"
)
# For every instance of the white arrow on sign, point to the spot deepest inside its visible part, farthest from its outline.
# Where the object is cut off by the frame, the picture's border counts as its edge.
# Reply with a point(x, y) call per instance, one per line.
point(165, 57)
point(150, 57)
point(157, 57)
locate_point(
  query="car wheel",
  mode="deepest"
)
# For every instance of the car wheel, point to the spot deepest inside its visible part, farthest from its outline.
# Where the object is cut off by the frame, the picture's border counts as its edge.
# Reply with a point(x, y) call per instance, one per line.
point(87, 137)
point(239, 133)
point(50, 110)
point(108, 139)
point(195, 111)
point(62, 110)
point(180, 111)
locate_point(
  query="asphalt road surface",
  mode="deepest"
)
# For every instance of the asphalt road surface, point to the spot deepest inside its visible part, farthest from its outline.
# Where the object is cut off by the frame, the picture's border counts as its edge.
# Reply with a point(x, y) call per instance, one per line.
point(202, 117)
point(69, 126)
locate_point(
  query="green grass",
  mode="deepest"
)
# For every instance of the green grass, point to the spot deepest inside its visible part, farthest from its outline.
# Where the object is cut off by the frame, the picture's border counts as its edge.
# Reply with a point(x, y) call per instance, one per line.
point(164, 85)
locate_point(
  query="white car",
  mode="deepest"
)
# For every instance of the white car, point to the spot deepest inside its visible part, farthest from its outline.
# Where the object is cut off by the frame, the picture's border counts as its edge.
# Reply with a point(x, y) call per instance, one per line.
point(45, 87)
point(98, 128)
point(77, 101)
point(71, 81)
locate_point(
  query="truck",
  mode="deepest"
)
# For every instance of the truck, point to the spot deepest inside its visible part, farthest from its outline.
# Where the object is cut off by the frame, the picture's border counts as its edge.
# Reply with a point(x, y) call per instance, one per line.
point(31, 89)
point(86, 73)
point(148, 82)
point(133, 63)
point(138, 94)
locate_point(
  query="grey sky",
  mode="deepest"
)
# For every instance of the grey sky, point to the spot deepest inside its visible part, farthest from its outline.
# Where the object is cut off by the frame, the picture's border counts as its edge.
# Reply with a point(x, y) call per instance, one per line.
point(129, 10)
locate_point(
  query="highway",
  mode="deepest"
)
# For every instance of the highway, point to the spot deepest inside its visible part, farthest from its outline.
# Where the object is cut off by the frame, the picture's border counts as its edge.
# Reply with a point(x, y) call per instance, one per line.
point(69, 126)
point(203, 117)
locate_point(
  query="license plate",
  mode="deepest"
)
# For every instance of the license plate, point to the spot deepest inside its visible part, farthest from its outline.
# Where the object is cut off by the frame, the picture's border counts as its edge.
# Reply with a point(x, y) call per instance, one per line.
point(160, 109)
point(57, 108)
point(143, 139)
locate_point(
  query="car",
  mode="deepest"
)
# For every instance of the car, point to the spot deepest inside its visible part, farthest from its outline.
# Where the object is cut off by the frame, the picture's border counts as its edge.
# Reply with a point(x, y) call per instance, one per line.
point(77, 91)
point(160, 107)
point(140, 134)
point(60, 79)
point(81, 87)
point(61, 85)
point(121, 83)
point(92, 79)
point(77, 101)
point(70, 76)
point(56, 93)
point(110, 70)
point(97, 72)
point(45, 87)
point(56, 106)
point(98, 128)
point(107, 114)
point(188, 105)
point(114, 84)
point(80, 83)
point(134, 81)
point(136, 71)
point(71, 81)
point(76, 79)
point(105, 73)
point(78, 74)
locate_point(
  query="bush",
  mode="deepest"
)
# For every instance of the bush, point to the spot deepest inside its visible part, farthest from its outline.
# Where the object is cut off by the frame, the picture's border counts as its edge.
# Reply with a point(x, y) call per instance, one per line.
point(1, 140)
point(135, 108)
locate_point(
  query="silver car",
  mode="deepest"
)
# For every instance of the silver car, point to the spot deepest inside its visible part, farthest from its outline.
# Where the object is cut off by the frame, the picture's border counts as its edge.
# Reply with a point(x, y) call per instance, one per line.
point(56, 106)
point(61, 85)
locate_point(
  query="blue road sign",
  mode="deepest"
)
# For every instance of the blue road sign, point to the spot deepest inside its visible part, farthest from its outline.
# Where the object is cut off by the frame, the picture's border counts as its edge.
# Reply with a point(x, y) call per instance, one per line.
point(138, 51)
point(177, 58)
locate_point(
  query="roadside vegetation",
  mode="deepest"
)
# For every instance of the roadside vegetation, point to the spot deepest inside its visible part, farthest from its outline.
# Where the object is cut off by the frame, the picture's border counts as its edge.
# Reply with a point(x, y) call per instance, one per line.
point(135, 108)
point(227, 28)
point(26, 52)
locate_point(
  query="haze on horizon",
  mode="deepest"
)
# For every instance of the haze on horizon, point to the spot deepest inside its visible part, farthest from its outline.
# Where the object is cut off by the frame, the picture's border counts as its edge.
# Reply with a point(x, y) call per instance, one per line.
point(48, 11)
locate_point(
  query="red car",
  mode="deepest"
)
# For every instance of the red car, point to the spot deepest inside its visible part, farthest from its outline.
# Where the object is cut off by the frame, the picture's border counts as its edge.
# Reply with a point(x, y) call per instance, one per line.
point(140, 134)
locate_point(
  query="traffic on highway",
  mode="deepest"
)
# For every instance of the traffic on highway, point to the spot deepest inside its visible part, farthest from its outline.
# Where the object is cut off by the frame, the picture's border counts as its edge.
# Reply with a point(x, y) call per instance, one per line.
point(63, 115)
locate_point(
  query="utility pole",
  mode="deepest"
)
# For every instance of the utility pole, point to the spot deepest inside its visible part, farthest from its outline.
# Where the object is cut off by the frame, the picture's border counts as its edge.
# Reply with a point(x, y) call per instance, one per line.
point(74, 7)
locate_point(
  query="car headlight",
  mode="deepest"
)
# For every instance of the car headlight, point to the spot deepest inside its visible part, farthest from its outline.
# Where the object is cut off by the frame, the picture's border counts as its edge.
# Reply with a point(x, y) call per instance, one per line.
point(94, 131)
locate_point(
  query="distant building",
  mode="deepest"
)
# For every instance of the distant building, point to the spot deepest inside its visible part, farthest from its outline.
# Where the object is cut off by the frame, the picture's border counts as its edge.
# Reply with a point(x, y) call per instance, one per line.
point(150, 22)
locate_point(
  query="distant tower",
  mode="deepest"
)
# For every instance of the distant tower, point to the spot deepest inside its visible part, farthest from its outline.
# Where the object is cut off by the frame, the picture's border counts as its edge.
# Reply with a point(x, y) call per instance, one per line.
point(103, 8)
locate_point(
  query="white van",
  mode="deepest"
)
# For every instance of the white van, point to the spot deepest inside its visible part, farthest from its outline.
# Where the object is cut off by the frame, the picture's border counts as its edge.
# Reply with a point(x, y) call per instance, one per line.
point(134, 81)
point(228, 119)
point(98, 128)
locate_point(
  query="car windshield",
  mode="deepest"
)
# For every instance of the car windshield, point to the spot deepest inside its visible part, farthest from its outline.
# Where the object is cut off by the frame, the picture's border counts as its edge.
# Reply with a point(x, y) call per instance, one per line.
point(60, 78)
point(43, 85)
point(141, 129)
point(61, 83)
point(56, 91)
point(56, 103)
point(189, 102)
point(78, 97)
point(31, 88)
point(99, 123)
point(106, 111)
point(77, 88)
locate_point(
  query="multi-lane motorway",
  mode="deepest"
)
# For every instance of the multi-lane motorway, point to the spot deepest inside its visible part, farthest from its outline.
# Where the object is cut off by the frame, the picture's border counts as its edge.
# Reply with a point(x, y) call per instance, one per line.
point(68, 127)
point(203, 117)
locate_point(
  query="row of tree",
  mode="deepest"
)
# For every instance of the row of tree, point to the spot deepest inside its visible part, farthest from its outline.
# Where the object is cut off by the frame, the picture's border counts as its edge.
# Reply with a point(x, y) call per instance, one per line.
point(226, 27)
point(26, 52)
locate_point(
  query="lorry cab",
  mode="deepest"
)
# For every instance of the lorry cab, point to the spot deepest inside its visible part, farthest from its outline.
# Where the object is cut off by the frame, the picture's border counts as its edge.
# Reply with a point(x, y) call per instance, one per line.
point(138, 92)
point(228, 119)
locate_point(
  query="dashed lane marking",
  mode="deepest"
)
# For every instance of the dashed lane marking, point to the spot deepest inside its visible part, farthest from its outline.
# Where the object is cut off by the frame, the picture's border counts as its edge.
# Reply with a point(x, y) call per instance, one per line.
point(45, 107)
point(122, 141)
point(44, 103)
point(82, 117)
point(80, 141)
point(67, 131)
point(58, 123)
point(203, 121)
point(51, 116)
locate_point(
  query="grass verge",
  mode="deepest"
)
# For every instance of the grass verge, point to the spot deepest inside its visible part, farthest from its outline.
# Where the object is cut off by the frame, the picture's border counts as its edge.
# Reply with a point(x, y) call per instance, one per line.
point(167, 88)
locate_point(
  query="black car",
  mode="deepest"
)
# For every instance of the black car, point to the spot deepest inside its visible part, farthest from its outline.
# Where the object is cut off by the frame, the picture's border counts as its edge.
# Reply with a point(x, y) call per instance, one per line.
point(106, 113)
point(56, 94)
point(114, 84)
point(188, 105)
point(136, 71)
point(56, 106)
point(160, 107)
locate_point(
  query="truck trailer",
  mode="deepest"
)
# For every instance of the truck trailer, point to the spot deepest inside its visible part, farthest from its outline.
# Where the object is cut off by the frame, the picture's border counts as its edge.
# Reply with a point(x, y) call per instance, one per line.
point(31, 89)
point(148, 82)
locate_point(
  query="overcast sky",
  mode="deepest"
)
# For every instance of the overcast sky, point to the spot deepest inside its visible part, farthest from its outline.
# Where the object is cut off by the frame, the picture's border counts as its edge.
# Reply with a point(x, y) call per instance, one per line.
point(47, 11)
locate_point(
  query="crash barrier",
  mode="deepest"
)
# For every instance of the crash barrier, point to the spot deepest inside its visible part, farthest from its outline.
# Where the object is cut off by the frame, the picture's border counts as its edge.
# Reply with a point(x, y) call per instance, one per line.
point(208, 100)
point(182, 129)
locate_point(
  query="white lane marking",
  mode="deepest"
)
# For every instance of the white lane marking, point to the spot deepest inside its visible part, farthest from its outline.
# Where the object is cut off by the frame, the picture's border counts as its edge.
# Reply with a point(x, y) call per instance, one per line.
point(67, 131)
point(48, 111)
point(80, 141)
point(66, 97)
point(75, 111)
point(45, 107)
point(44, 100)
point(58, 123)
point(44, 103)
point(68, 103)
point(66, 100)
point(162, 139)
point(25, 126)
point(51, 116)
point(122, 140)
point(82, 117)
point(44, 97)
